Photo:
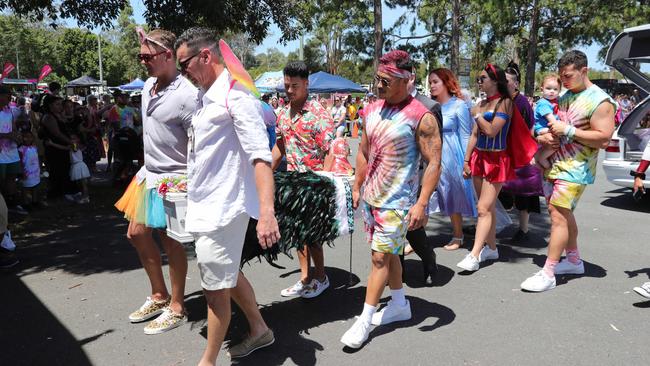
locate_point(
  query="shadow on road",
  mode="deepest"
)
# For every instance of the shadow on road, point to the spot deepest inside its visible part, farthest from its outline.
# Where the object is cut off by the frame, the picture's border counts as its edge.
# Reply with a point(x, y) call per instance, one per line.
point(79, 239)
point(46, 341)
point(637, 272)
point(642, 304)
point(414, 274)
point(421, 310)
point(622, 199)
point(292, 320)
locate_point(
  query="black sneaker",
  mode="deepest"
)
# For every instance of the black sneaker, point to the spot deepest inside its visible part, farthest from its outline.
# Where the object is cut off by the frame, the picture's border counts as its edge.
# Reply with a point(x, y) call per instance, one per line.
point(519, 236)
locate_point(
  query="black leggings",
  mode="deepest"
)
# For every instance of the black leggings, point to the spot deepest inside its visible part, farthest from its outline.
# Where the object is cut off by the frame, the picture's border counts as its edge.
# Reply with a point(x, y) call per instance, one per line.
point(418, 240)
point(58, 165)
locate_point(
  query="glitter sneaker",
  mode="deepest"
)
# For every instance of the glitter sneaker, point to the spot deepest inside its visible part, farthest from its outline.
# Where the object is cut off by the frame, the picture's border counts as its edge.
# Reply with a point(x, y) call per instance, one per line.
point(168, 320)
point(148, 310)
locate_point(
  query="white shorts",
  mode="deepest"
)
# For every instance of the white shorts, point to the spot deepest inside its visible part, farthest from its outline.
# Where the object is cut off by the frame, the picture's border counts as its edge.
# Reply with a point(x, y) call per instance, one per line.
point(218, 254)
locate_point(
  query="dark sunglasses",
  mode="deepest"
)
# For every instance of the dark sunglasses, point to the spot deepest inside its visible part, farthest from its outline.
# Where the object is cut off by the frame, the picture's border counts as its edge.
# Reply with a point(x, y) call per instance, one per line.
point(146, 57)
point(381, 80)
point(480, 79)
point(182, 65)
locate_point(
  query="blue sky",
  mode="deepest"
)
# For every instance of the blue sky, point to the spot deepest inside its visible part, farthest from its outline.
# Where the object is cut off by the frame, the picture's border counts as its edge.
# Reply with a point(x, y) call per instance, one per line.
point(390, 16)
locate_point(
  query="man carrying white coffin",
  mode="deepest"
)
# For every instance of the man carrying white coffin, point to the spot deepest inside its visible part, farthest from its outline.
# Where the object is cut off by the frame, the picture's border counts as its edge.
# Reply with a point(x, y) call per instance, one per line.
point(229, 180)
point(168, 103)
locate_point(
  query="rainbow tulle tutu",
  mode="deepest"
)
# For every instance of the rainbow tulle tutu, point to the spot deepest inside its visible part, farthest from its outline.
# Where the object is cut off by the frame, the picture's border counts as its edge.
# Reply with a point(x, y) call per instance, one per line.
point(142, 205)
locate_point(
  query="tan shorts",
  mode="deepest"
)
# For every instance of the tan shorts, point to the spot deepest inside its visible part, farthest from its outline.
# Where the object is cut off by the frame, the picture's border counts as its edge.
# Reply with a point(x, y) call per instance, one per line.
point(218, 254)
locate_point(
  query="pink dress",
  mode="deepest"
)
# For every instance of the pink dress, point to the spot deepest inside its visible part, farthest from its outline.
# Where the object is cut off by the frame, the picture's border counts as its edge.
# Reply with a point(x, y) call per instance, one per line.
point(340, 151)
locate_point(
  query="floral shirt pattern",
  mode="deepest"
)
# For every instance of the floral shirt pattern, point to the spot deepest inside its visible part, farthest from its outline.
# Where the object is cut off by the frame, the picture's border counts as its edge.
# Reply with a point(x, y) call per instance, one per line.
point(307, 136)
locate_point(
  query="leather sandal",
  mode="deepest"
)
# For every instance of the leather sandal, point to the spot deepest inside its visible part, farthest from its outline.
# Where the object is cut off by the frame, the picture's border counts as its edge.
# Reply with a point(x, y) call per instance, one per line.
point(454, 246)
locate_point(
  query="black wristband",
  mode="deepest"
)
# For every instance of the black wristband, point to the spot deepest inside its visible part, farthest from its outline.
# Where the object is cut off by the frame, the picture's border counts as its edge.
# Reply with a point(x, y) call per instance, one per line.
point(636, 174)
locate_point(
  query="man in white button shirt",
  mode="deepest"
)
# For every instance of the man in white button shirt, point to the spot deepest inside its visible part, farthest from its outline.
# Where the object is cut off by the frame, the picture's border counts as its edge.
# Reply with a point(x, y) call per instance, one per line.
point(168, 103)
point(229, 180)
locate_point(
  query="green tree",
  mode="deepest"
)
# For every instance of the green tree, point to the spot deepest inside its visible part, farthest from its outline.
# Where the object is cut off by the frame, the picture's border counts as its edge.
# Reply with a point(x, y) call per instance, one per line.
point(120, 47)
point(253, 17)
point(313, 56)
point(339, 26)
point(243, 48)
point(538, 23)
point(90, 13)
point(28, 45)
point(271, 60)
point(76, 53)
point(445, 24)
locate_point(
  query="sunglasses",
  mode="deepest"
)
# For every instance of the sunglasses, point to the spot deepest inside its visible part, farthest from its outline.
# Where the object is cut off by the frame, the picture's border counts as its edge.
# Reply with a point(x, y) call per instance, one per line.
point(147, 57)
point(381, 80)
point(182, 65)
point(481, 79)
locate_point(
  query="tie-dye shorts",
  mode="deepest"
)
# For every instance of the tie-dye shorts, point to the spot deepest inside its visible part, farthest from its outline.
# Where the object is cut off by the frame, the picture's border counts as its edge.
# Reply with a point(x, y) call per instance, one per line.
point(561, 193)
point(385, 228)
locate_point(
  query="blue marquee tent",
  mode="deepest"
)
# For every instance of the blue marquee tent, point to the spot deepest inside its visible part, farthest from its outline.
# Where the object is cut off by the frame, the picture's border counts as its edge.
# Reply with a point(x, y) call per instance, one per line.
point(136, 84)
point(322, 82)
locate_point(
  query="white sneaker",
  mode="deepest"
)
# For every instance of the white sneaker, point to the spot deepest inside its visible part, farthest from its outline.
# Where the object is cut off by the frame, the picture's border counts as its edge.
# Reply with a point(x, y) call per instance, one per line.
point(296, 290)
point(315, 288)
point(469, 263)
point(566, 267)
point(392, 313)
point(643, 290)
point(539, 282)
point(357, 335)
point(488, 254)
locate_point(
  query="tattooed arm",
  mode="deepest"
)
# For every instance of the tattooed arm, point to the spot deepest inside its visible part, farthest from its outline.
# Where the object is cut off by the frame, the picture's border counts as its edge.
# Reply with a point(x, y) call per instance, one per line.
point(430, 145)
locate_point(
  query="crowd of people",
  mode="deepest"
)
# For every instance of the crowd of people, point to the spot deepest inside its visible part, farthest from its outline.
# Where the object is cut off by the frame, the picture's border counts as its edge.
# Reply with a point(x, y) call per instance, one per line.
point(51, 145)
point(418, 156)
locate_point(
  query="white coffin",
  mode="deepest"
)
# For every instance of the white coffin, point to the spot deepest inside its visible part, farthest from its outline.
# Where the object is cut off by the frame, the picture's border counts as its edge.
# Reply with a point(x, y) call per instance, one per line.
point(175, 208)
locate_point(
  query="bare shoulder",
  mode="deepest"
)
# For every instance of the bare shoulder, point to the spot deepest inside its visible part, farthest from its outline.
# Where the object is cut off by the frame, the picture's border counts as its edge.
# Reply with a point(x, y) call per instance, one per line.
point(505, 105)
point(428, 125)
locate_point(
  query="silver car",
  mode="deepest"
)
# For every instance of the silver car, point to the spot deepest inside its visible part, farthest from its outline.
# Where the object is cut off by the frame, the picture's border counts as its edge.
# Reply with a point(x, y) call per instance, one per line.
point(628, 52)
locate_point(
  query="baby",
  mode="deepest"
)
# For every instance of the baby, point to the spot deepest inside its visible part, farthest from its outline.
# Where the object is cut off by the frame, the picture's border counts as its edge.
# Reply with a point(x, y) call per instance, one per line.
point(546, 111)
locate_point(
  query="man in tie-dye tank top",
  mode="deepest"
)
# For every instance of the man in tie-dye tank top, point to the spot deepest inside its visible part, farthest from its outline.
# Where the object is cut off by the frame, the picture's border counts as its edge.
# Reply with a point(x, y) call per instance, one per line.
point(587, 124)
point(399, 131)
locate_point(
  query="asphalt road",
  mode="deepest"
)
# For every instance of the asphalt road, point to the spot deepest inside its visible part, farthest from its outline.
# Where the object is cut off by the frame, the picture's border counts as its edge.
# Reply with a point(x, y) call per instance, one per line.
point(67, 303)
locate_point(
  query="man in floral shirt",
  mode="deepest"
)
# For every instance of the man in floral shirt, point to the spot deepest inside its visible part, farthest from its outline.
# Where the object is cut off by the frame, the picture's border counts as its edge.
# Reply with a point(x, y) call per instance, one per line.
point(305, 131)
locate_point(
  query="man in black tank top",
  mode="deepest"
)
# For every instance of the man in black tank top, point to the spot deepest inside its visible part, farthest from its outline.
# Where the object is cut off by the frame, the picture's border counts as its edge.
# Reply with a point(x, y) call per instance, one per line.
point(418, 238)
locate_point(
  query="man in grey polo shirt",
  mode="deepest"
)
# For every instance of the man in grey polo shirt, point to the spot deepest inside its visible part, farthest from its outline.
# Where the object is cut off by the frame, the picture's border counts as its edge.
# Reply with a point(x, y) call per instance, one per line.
point(168, 102)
